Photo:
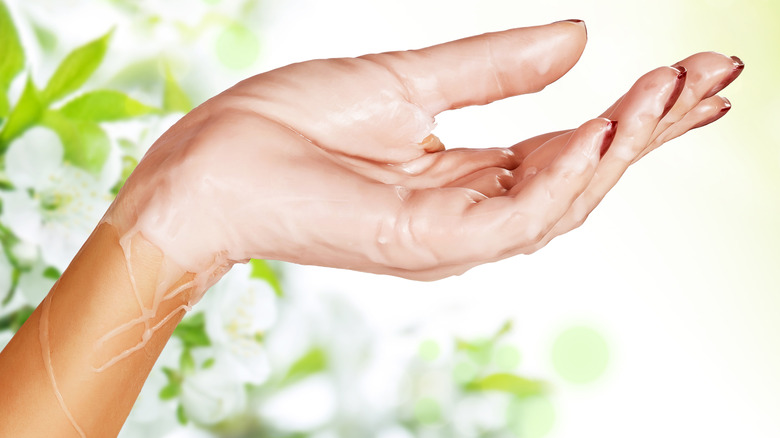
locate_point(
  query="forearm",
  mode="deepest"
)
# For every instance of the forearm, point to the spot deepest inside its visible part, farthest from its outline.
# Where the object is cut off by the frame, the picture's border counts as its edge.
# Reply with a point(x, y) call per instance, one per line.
point(79, 362)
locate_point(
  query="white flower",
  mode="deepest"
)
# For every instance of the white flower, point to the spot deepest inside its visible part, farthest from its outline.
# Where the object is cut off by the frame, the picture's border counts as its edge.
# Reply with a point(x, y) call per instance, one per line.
point(54, 205)
point(5, 278)
point(306, 405)
point(212, 395)
point(238, 311)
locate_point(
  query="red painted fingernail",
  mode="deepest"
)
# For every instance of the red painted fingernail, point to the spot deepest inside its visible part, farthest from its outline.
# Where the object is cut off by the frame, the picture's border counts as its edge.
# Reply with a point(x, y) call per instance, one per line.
point(608, 137)
point(738, 64)
point(738, 67)
point(576, 21)
point(681, 71)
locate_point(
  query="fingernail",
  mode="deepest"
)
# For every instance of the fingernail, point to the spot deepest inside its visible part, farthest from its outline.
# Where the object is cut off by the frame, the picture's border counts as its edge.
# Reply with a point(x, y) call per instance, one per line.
point(738, 67)
point(682, 73)
point(608, 137)
point(718, 115)
point(738, 64)
point(576, 21)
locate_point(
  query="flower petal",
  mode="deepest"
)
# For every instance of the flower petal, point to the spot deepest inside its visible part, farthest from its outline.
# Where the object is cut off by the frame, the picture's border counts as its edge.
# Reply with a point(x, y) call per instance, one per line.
point(21, 215)
point(33, 158)
point(209, 397)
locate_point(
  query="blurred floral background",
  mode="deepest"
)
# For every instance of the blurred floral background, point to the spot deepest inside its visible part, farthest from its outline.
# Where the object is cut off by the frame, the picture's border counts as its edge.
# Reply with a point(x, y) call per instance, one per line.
point(658, 316)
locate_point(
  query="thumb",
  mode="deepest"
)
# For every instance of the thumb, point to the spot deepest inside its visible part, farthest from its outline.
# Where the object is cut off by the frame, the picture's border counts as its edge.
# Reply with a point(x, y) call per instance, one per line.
point(484, 68)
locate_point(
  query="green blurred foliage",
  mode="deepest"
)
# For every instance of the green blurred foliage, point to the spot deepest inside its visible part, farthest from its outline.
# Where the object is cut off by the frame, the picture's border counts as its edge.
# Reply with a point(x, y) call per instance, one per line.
point(12, 58)
point(174, 98)
point(262, 270)
point(105, 106)
point(85, 143)
point(313, 361)
point(75, 69)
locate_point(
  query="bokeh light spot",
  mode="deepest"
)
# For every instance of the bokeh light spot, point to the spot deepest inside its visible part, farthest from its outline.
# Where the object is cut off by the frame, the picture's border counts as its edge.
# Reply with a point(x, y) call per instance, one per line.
point(429, 350)
point(506, 357)
point(464, 372)
point(427, 410)
point(237, 47)
point(532, 417)
point(580, 355)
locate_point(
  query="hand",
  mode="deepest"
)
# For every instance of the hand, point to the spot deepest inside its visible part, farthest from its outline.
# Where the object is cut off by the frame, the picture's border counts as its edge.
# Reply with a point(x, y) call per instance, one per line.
point(332, 162)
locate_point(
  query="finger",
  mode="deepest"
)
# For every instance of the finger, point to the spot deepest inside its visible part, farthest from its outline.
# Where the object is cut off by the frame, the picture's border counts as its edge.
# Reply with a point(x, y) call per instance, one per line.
point(431, 143)
point(455, 226)
point(708, 73)
point(638, 113)
point(490, 182)
point(707, 111)
point(538, 151)
point(442, 168)
point(485, 68)
point(508, 224)
point(526, 147)
point(433, 169)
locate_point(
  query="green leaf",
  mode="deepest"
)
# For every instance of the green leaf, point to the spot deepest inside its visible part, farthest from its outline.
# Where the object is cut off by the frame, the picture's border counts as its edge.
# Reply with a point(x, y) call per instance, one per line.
point(4, 105)
point(478, 351)
point(314, 361)
point(208, 363)
point(51, 273)
point(186, 362)
point(5, 182)
point(85, 143)
point(175, 100)
point(262, 270)
point(170, 391)
point(172, 374)
point(505, 328)
point(192, 331)
point(181, 415)
point(193, 320)
point(509, 383)
point(76, 68)
point(105, 106)
point(14, 321)
point(26, 113)
point(11, 55)
point(46, 38)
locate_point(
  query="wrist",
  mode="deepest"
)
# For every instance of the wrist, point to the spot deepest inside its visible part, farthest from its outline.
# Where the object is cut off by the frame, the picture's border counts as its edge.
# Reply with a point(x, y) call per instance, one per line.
point(162, 203)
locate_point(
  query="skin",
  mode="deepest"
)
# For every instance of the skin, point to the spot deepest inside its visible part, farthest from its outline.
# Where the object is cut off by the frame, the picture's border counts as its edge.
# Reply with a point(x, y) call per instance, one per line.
point(329, 162)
